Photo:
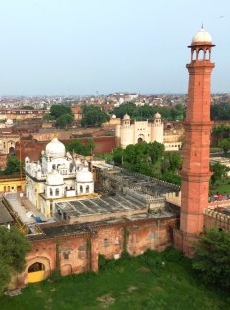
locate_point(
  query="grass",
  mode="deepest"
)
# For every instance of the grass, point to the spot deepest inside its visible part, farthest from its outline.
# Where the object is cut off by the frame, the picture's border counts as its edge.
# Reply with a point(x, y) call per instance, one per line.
point(131, 283)
point(222, 186)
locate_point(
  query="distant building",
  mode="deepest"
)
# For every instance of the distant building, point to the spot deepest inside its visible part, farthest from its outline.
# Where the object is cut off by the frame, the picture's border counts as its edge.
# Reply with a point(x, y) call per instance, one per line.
point(139, 131)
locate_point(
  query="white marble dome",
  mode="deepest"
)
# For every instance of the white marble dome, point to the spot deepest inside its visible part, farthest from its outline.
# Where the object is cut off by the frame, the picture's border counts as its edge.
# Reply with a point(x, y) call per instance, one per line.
point(202, 36)
point(54, 178)
point(157, 115)
point(126, 117)
point(84, 176)
point(55, 148)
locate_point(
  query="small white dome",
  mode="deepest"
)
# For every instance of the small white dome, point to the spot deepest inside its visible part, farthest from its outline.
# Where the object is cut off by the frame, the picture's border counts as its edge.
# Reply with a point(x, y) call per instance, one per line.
point(113, 116)
point(84, 175)
point(55, 148)
point(126, 117)
point(54, 178)
point(202, 36)
point(157, 115)
point(9, 121)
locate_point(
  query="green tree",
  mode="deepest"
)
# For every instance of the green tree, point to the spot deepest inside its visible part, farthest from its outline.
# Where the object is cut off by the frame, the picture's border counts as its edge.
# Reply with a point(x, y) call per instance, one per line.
point(13, 249)
point(78, 147)
point(212, 258)
point(220, 111)
point(58, 110)
point(93, 116)
point(48, 117)
point(225, 145)
point(64, 121)
point(12, 165)
point(156, 151)
point(118, 156)
point(218, 172)
point(174, 161)
point(126, 108)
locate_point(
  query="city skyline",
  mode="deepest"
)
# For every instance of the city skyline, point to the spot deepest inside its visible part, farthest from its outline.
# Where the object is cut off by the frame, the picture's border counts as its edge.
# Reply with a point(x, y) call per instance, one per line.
point(102, 47)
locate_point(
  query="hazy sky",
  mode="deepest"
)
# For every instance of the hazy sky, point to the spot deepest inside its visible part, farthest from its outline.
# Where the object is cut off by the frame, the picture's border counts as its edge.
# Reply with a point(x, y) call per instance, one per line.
point(82, 47)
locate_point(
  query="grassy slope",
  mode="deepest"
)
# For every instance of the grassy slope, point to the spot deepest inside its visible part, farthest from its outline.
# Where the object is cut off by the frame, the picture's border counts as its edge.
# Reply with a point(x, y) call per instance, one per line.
point(137, 283)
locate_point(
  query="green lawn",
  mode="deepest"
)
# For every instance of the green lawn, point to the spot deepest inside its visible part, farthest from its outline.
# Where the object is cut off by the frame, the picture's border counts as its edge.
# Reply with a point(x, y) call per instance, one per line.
point(221, 186)
point(131, 283)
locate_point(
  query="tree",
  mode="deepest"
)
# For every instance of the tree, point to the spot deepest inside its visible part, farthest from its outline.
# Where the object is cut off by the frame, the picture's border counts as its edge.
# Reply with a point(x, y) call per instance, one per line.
point(79, 148)
point(64, 121)
point(220, 111)
point(225, 145)
point(118, 156)
point(156, 151)
point(12, 165)
point(212, 258)
point(219, 172)
point(13, 250)
point(93, 116)
point(48, 117)
point(58, 110)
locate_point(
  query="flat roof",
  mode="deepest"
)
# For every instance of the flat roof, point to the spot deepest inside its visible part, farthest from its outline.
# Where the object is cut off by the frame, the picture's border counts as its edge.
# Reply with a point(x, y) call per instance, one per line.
point(101, 205)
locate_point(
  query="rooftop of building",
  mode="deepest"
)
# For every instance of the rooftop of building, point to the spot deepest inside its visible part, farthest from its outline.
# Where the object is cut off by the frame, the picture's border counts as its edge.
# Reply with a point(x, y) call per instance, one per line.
point(111, 203)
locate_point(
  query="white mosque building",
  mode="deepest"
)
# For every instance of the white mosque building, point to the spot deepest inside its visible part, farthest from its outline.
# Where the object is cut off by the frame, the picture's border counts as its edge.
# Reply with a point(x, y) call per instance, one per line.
point(139, 131)
point(58, 176)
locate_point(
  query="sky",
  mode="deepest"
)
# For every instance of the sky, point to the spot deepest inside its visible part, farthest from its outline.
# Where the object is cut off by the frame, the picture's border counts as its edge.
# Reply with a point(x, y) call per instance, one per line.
point(95, 47)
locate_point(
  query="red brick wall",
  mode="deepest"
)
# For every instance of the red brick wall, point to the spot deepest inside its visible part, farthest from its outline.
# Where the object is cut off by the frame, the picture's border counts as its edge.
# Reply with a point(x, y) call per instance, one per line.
point(77, 253)
point(33, 148)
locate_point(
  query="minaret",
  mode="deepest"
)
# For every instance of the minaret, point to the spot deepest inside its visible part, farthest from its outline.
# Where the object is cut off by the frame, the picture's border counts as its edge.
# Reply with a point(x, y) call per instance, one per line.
point(195, 169)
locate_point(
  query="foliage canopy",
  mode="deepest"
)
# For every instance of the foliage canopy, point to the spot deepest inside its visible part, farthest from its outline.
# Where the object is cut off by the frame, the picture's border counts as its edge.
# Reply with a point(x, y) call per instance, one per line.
point(80, 148)
point(93, 116)
point(12, 165)
point(13, 249)
point(150, 159)
point(212, 258)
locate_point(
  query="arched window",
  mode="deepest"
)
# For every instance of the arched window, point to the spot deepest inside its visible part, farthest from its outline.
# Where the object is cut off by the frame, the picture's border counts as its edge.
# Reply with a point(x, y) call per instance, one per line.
point(36, 267)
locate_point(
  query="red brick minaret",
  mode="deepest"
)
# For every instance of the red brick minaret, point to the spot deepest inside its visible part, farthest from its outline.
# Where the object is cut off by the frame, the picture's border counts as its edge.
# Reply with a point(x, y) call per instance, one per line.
point(195, 169)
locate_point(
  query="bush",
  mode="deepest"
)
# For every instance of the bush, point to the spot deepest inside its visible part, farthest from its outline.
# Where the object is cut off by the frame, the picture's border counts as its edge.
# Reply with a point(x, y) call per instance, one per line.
point(212, 258)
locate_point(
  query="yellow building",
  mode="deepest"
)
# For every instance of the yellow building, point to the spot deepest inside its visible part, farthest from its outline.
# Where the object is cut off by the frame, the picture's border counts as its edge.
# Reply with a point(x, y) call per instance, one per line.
point(12, 184)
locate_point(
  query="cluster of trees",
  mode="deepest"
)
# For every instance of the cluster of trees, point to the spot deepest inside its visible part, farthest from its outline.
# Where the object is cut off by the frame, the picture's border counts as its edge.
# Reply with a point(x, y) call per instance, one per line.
point(62, 114)
point(13, 249)
point(150, 159)
point(93, 116)
point(221, 137)
point(220, 111)
point(145, 112)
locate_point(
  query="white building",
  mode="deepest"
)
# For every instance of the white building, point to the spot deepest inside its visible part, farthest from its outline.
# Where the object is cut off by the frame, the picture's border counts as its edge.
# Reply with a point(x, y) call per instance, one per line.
point(131, 133)
point(59, 176)
point(139, 131)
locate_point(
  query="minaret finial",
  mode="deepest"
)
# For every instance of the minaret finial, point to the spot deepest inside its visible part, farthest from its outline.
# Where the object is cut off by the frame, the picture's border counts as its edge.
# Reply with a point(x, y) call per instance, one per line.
point(202, 25)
